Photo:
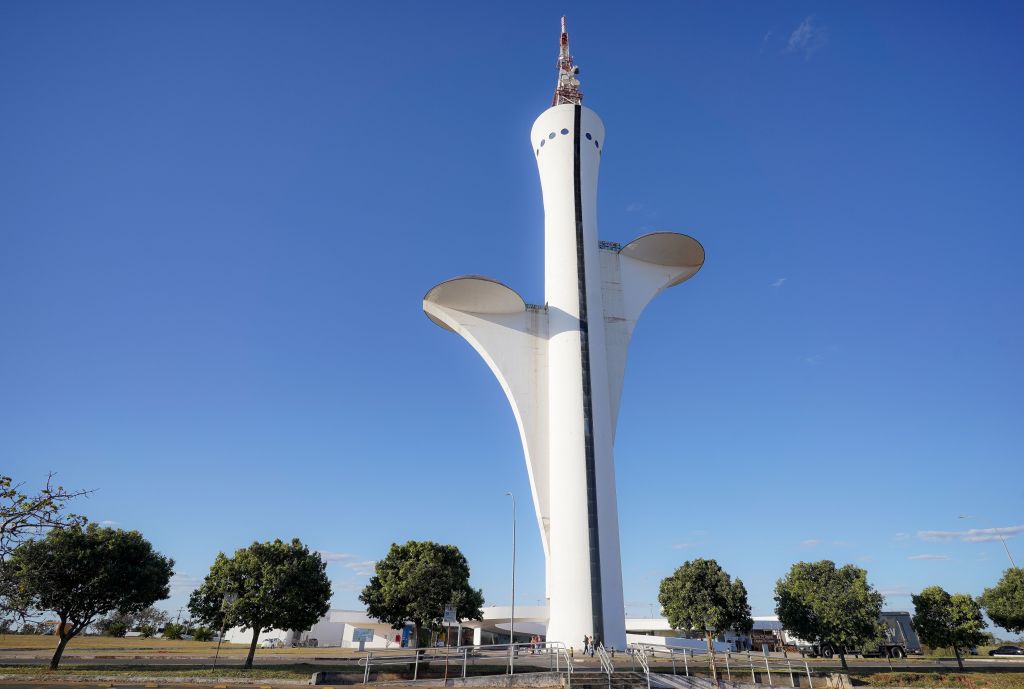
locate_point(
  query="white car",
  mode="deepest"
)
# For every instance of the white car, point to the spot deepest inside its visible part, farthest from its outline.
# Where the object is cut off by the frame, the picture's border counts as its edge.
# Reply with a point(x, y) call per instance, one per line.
point(272, 643)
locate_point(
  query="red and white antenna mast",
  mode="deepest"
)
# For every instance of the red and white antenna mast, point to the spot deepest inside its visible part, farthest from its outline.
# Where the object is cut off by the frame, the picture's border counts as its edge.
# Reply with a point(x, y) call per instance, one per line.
point(567, 92)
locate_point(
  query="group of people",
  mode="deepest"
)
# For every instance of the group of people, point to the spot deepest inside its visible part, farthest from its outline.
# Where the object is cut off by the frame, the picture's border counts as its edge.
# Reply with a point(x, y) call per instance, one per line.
point(589, 645)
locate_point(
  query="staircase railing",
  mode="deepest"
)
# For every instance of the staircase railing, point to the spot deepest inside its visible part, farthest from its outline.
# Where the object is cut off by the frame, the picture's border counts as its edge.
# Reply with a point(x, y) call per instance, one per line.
point(641, 657)
point(606, 662)
point(771, 669)
point(555, 655)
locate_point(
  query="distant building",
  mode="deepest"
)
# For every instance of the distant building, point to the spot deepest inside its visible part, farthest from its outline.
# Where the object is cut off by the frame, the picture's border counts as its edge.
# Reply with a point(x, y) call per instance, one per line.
point(349, 628)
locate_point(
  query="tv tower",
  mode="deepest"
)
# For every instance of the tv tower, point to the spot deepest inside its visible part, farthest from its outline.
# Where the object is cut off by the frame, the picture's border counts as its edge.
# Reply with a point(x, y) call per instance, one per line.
point(562, 364)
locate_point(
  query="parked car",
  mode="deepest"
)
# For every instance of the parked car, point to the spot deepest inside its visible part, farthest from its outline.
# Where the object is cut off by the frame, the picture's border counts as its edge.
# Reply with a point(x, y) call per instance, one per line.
point(1007, 651)
point(272, 643)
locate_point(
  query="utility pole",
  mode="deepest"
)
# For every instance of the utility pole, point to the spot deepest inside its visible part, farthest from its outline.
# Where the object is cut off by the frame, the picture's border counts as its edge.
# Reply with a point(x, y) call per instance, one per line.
point(512, 617)
point(1002, 540)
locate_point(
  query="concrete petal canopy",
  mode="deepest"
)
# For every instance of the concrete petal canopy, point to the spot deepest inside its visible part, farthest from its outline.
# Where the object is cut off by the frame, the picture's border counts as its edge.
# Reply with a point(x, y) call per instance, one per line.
point(474, 294)
point(668, 249)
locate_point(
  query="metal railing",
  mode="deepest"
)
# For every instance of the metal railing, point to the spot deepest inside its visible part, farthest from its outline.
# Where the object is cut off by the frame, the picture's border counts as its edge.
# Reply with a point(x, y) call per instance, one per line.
point(458, 660)
point(741, 663)
point(606, 662)
point(640, 655)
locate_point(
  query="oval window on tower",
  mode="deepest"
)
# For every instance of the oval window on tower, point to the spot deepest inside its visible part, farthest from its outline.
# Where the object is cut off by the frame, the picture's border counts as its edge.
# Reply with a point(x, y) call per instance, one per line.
point(551, 135)
point(564, 132)
point(589, 136)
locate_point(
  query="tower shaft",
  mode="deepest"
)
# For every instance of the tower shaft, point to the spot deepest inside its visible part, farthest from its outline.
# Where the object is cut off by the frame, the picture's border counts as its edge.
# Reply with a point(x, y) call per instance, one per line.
point(586, 580)
point(562, 365)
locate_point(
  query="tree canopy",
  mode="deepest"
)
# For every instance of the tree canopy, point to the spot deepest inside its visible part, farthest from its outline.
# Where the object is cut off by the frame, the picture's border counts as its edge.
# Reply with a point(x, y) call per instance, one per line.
point(416, 580)
point(25, 514)
point(943, 620)
point(701, 596)
point(262, 587)
point(82, 573)
point(835, 606)
point(1004, 602)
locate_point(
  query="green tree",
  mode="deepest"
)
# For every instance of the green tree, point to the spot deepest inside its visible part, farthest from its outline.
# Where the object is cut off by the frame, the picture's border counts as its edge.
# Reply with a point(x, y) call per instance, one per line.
point(117, 629)
point(147, 631)
point(1004, 602)
point(172, 631)
point(837, 608)
point(271, 585)
point(83, 573)
point(416, 580)
point(700, 596)
point(25, 514)
point(202, 634)
point(944, 620)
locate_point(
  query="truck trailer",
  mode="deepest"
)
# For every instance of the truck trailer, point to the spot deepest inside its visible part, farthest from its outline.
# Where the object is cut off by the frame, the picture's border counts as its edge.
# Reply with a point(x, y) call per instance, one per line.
point(899, 641)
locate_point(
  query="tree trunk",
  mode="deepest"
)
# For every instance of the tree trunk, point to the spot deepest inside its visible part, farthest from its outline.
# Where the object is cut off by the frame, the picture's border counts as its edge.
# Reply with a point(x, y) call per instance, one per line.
point(252, 646)
point(842, 657)
point(64, 639)
point(959, 660)
point(711, 656)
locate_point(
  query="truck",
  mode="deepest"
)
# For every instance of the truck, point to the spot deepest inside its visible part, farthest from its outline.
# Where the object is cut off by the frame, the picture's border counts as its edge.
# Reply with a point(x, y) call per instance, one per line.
point(899, 641)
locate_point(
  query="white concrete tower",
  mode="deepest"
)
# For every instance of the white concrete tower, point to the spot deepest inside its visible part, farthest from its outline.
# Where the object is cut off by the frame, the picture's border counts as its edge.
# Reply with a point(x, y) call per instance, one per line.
point(562, 364)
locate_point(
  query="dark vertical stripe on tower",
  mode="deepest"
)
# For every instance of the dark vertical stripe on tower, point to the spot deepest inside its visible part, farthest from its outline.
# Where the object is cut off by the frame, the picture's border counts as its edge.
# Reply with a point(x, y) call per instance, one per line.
point(596, 601)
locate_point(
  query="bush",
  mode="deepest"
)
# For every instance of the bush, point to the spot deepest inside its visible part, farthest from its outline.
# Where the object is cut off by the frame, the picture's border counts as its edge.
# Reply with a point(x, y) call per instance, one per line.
point(202, 634)
point(173, 631)
point(117, 629)
point(147, 631)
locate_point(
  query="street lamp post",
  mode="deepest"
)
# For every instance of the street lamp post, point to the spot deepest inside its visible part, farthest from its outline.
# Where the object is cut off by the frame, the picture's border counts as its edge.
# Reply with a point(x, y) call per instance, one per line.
point(228, 599)
point(512, 617)
point(1001, 540)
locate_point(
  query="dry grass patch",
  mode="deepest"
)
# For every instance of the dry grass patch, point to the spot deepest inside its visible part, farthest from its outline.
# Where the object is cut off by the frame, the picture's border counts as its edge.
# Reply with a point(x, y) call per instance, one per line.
point(297, 672)
point(929, 680)
point(131, 646)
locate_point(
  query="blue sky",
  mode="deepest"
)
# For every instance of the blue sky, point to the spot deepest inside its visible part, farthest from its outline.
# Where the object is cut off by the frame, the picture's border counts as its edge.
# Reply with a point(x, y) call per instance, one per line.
point(218, 221)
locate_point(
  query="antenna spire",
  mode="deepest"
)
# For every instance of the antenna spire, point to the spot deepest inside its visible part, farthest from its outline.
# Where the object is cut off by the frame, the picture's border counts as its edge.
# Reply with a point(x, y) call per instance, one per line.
point(567, 91)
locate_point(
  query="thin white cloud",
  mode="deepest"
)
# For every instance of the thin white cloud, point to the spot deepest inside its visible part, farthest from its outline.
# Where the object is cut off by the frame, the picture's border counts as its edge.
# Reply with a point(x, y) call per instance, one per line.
point(109, 522)
point(363, 568)
point(842, 544)
point(972, 535)
point(347, 585)
point(779, 282)
point(902, 536)
point(866, 559)
point(928, 557)
point(810, 542)
point(814, 359)
point(349, 561)
point(896, 592)
point(807, 38)
point(184, 583)
point(680, 546)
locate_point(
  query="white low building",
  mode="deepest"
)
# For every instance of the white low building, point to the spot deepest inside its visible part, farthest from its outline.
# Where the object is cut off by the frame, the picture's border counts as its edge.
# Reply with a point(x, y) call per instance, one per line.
point(356, 629)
